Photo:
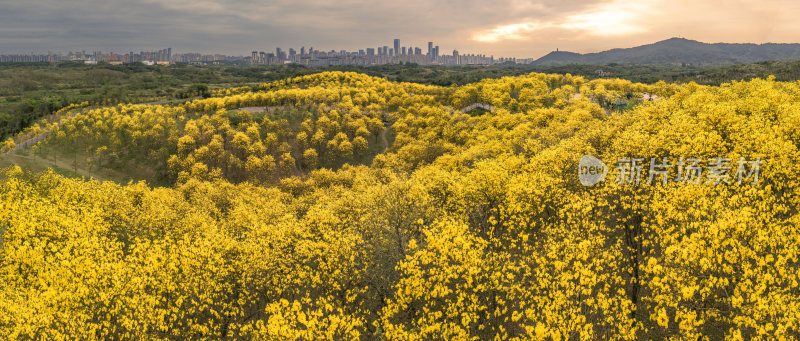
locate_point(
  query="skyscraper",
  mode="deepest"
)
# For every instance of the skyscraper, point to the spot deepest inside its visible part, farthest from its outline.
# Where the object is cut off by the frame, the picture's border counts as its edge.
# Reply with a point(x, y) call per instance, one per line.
point(396, 47)
point(430, 48)
point(403, 51)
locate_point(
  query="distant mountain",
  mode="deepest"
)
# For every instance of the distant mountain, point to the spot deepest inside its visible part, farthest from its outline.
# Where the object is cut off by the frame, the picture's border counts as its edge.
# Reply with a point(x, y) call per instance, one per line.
point(680, 50)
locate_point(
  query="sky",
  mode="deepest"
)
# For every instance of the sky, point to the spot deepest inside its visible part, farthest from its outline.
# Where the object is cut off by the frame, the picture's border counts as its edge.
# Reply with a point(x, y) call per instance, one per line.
point(503, 28)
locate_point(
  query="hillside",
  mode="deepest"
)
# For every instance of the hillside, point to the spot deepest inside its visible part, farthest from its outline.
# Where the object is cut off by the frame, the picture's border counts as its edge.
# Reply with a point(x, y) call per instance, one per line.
point(284, 212)
point(678, 51)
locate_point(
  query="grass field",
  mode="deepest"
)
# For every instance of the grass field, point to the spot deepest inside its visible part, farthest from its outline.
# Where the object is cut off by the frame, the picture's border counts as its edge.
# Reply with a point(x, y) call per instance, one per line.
point(70, 166)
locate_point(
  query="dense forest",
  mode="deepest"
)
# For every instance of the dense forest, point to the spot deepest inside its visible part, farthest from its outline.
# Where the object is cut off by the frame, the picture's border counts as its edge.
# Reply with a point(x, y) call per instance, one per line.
point(32, 91)
point(339, 205)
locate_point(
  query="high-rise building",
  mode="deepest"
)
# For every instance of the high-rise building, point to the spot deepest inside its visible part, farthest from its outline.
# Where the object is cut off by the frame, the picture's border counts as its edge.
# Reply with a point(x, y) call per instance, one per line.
point(403, 51)
point(302, 50)
point(397, 46)
point(391, 51)
point(430, 48)
point(417, 50)
point(370, 51)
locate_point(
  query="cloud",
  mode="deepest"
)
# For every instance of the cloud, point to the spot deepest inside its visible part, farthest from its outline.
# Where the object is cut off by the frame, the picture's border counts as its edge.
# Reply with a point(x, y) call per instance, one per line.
point(519, 28)
point(510, 32)
point(605, 19)
point(221, 25)
point(615, 18)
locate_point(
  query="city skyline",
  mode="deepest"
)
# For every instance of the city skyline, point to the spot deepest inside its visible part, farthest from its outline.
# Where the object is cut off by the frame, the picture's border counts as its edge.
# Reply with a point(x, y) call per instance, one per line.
point(395, 42)
point(512, 28)
point(428, 54)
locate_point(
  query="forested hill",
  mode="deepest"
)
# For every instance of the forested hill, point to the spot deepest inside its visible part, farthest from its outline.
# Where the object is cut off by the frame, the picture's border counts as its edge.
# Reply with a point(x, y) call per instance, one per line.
point(30, 92)
point(680, 50)
point(341, 206)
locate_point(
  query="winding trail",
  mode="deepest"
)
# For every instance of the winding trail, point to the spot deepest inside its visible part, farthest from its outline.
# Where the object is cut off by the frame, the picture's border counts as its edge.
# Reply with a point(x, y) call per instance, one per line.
point(481, 105)
point(384, 140)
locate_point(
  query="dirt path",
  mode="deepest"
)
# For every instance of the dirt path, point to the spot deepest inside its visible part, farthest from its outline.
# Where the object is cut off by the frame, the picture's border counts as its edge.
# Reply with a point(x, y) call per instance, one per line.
point(171, 101)
point(384, 140)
